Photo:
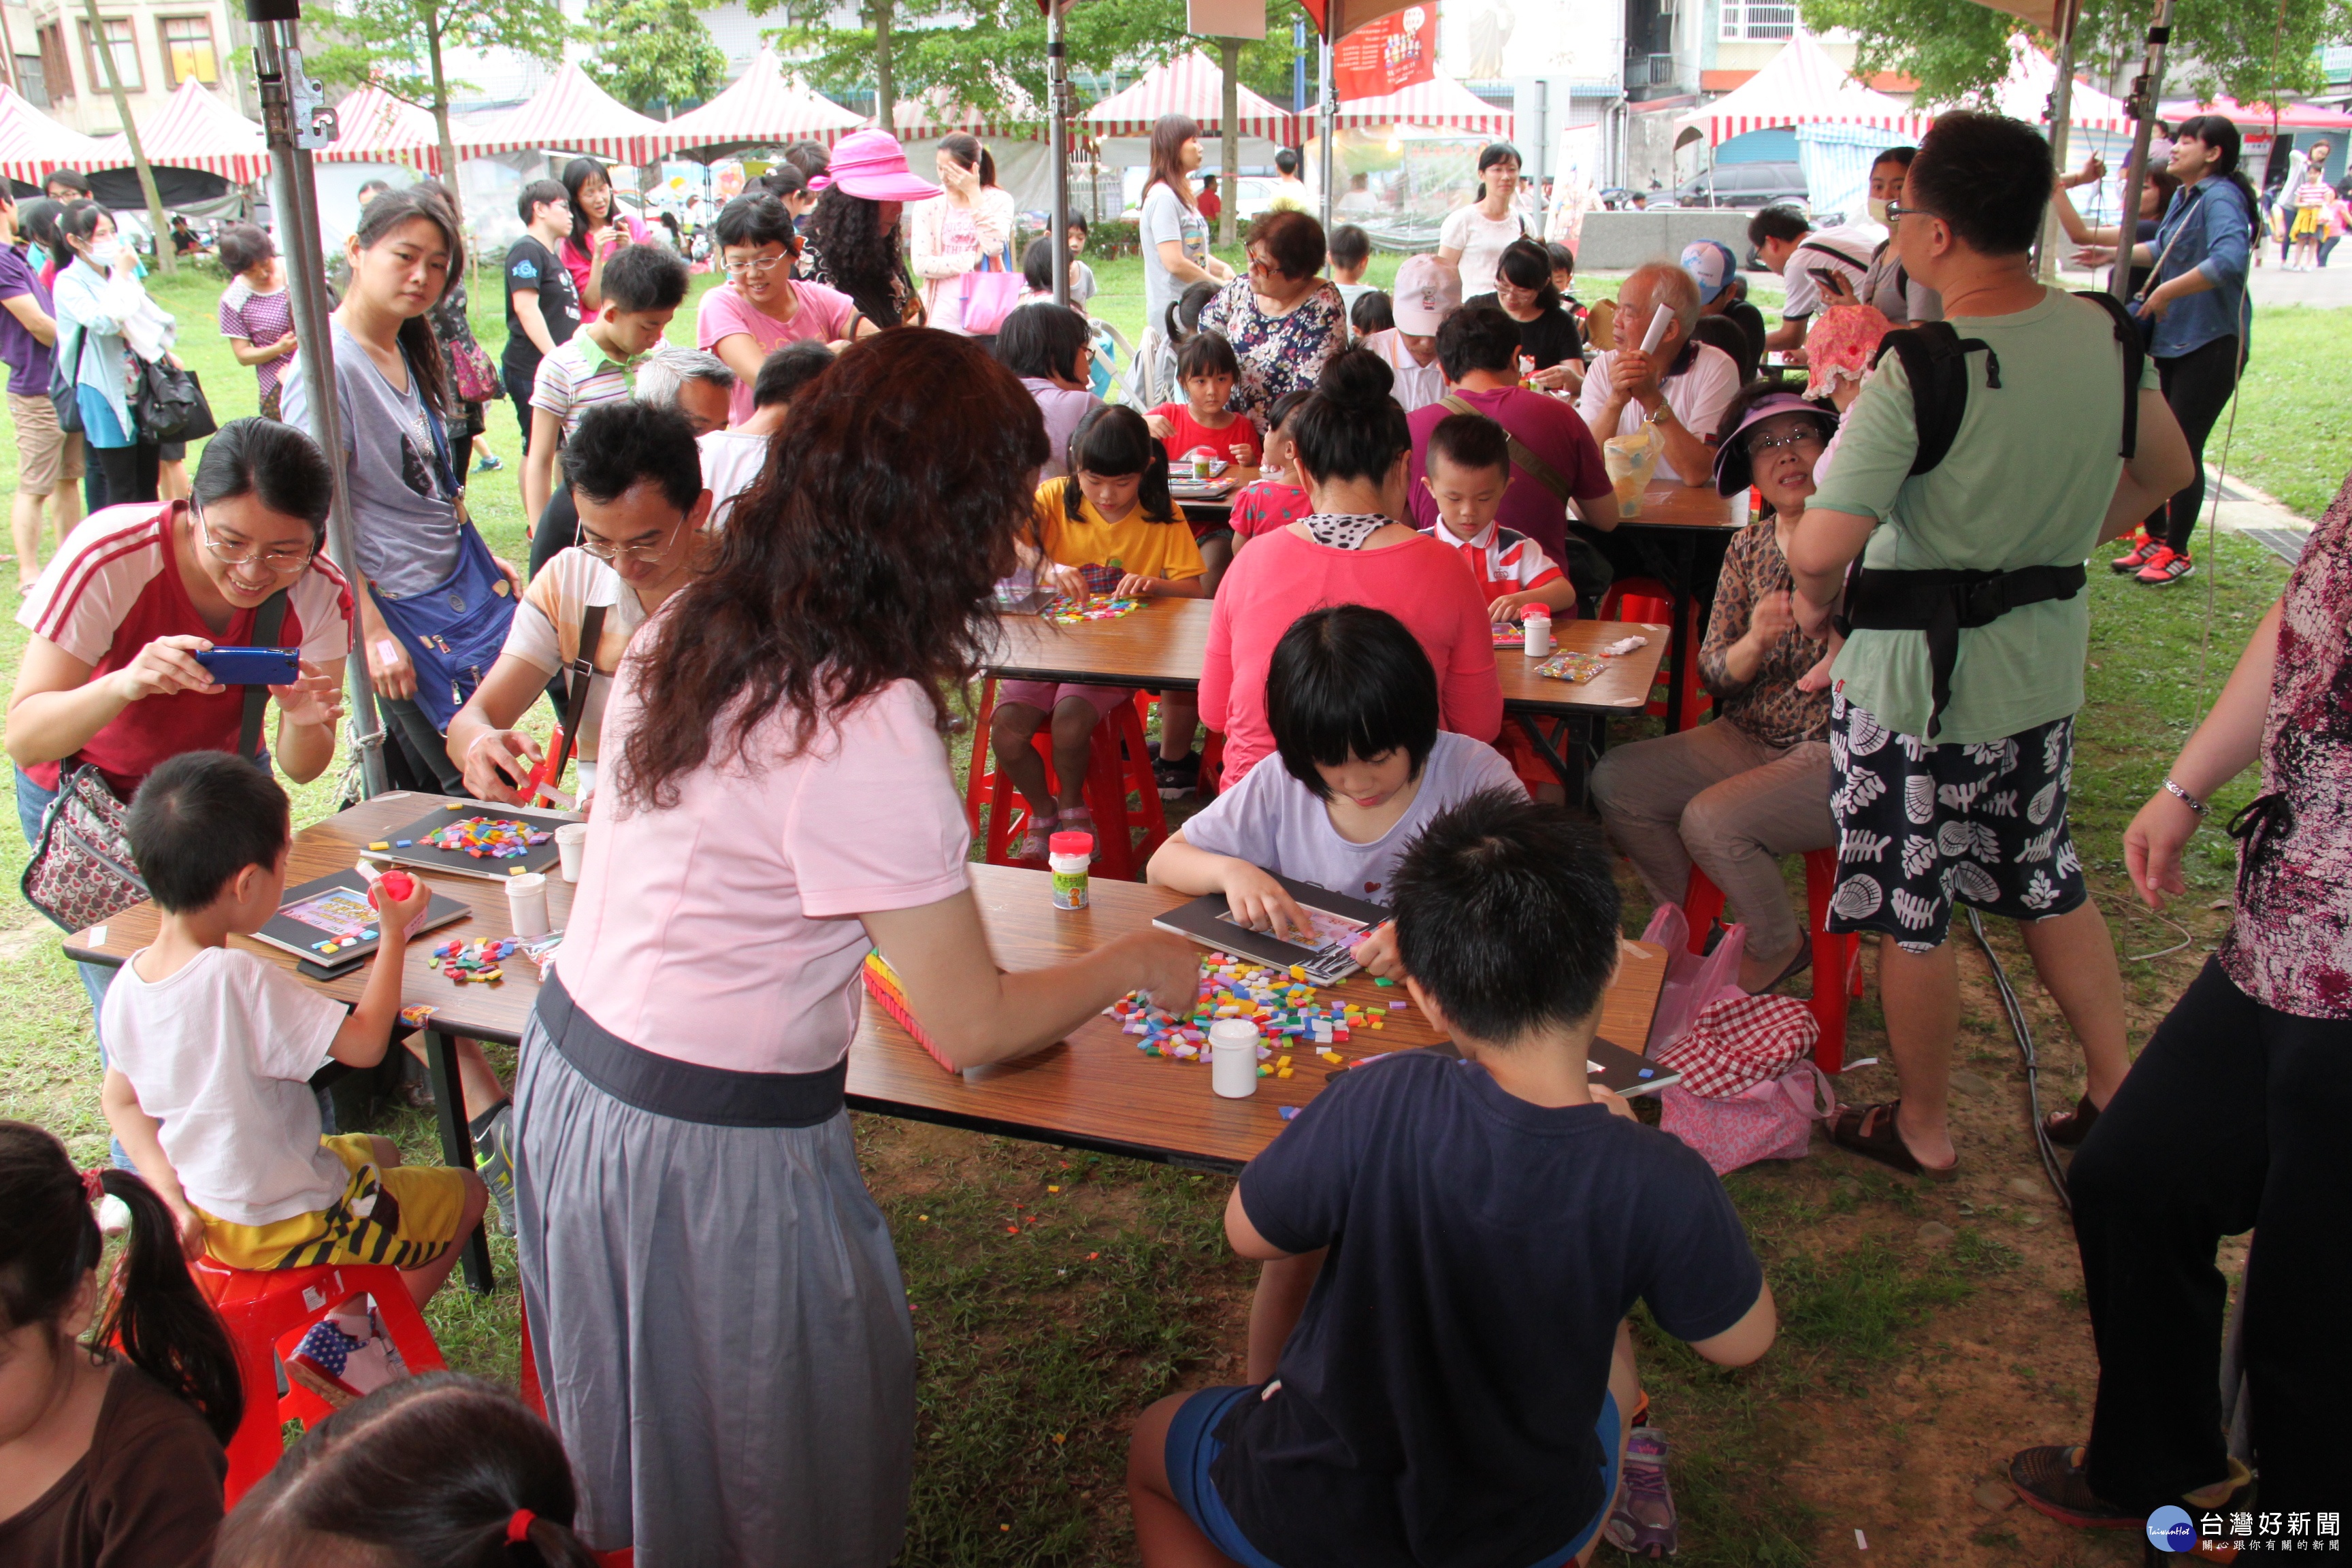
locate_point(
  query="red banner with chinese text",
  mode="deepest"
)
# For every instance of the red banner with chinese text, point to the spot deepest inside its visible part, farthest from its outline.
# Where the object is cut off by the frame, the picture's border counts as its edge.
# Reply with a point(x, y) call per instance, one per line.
point(1387, 56)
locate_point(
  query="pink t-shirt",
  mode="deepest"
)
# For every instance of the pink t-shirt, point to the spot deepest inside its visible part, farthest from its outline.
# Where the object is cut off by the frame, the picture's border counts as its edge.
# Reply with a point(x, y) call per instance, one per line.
point(1282, 576)
point(723, 931)
point(824, 316)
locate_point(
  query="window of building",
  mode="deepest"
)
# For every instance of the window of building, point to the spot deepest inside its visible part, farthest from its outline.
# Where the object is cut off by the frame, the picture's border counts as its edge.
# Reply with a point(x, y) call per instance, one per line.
point(1759, 24)
point(188, 50)
point(57, 74)
point(31, 81)
point(124, 46)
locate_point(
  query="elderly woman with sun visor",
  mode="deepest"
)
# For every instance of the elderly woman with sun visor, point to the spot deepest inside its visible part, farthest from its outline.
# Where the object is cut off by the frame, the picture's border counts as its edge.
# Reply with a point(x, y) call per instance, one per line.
point(1733, 796)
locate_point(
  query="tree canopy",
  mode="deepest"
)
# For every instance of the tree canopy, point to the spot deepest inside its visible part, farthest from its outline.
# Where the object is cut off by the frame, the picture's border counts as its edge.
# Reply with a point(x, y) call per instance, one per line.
point(653, 53)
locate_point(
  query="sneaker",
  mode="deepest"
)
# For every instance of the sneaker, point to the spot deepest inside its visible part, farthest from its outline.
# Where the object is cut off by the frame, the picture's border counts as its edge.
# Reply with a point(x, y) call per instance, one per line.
point(494, 1162)
point(489, 464)
point(2165, 567)
point(1177, 780)
point(342, 1370)
point(2132, 559)
point(1642, 1520)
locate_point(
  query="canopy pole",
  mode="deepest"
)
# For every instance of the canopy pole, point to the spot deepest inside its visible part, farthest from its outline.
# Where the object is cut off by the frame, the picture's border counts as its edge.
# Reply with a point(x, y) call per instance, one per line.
point(2143, 109)
point(295, 120)
point(2062, 122)
point(1328, 129)
point(1057, 77)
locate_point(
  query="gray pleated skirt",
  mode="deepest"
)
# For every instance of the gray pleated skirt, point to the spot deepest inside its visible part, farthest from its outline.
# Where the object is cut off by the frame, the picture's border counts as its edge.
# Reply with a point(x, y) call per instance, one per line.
point(719, 1324)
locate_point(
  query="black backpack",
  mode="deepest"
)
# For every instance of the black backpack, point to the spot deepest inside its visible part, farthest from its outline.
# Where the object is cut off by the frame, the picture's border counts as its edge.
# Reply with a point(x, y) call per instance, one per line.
point(1934, 361)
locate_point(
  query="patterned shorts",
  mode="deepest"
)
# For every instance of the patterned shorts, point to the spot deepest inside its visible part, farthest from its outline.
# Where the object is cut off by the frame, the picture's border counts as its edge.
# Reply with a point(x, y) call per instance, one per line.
point(1923, 828)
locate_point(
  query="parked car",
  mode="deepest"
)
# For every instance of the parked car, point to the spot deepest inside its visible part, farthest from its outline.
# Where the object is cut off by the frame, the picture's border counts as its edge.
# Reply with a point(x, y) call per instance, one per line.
point(1740, 185)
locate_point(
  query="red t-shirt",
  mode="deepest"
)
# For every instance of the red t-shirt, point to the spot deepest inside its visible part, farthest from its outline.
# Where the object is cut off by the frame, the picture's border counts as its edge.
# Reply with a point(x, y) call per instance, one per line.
point(1548, 427)
point(114, 589)
point(1190, 433)
point(1281, 576)
point(1208, 203)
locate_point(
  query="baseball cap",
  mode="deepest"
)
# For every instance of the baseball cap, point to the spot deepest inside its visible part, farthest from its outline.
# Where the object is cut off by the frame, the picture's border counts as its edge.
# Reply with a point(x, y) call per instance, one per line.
point(1712, 266)
point(1427, 291)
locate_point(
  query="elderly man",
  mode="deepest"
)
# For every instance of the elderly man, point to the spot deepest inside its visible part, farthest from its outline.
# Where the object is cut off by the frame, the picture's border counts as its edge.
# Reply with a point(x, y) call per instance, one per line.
point(1680, 386)
point(694, 381)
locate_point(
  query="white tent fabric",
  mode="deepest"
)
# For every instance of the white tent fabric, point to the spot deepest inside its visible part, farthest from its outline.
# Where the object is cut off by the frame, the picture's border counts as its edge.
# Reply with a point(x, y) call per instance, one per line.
point(761, 108)
point(1189, 84)
point(1439, 102)
point(194, 129)
point(571, 114)
point(2024, 94)
point(31, 144)
point(373, 127)
point(936, 114)
point(1800, 86)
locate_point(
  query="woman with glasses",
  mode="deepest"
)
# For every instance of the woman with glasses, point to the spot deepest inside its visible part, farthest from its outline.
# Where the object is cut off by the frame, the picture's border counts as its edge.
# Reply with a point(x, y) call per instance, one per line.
point(1549, 335)
point(636, 476)
point(1283, 320)
point(761, 306)
point(1734, 796)
point(111, 677)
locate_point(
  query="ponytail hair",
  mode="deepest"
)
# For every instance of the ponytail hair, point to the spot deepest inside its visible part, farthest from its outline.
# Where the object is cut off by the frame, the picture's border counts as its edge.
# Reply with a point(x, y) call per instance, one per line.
point(426, 200)
point(1184, 316)
point(50, 1243)
point(968, 151)
point(433, 1471)
point(2219, 132)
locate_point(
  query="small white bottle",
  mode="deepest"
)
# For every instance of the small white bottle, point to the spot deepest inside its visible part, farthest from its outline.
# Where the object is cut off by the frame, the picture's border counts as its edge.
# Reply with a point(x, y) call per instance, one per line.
point(1537, 621)
point(1232, 1070)
point(1070, 855)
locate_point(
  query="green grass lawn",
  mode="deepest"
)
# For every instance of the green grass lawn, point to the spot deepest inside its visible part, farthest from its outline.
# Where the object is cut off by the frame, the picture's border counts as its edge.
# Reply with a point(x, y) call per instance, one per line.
point(1055, 1294)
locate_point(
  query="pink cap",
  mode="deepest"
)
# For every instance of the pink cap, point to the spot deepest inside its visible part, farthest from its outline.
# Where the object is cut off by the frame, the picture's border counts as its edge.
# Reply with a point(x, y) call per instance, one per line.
point(1070, 844)
point(872, 165)
point(1427, 291)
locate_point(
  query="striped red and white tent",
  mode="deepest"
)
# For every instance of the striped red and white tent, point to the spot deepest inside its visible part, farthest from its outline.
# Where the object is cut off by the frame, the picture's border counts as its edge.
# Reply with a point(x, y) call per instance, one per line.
point(2024, 94)
point(1440, 102)
point(373, 127)
point(763, 109)
point(195, 130)
point(571, 114)
point(31, 144)
point(1801, 86)
point(1189, 84)
point(936, 113)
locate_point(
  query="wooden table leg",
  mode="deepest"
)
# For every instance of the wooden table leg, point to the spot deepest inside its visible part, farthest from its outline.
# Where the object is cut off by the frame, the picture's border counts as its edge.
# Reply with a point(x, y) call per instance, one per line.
point(457, 1144)
point(1570, 775)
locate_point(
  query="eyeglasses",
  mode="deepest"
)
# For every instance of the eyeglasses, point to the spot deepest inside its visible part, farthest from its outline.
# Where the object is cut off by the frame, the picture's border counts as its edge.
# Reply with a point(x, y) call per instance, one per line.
point(1896, 212)
point(1759, 444)
point(606, 551)
point(280, 561)
point(761, 267)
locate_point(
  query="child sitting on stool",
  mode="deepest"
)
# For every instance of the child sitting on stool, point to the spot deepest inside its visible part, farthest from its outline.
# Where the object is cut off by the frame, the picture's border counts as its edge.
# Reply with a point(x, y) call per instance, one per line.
point(210, 1052)
point(1487, 1224)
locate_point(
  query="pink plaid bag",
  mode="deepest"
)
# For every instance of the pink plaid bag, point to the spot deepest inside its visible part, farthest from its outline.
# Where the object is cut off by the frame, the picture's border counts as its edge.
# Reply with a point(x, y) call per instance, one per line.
point(1749, 1091)
point(1739, 1040)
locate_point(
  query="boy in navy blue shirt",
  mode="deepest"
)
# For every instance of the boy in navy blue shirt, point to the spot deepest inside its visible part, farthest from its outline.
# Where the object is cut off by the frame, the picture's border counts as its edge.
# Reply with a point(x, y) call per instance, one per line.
point(1452, 1391)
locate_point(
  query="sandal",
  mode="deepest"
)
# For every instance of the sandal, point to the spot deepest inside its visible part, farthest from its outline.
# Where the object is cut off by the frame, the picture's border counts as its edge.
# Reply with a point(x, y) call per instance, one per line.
point(1033, 846)
point(1797, 966)
point(1870, 1130)
point(1079, 819)
point(2067, 1129)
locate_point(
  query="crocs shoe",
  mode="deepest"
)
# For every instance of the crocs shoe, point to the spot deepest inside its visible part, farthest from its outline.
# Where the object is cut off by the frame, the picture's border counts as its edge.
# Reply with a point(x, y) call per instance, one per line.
point(2165, 568)
point(1642, 1520)
point(2141, 547)
point(494, 1163)
point(342, 1370)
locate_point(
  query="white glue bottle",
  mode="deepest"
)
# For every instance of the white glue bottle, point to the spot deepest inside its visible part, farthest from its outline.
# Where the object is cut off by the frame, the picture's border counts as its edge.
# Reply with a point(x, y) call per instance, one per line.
point(1536, 622)
point(1232, 1070)
point(1070, 855)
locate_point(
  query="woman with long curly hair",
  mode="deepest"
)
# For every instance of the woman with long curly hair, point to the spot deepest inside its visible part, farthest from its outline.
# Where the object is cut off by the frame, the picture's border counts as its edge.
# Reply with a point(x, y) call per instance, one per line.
point(852, 244)
point(694, 1235)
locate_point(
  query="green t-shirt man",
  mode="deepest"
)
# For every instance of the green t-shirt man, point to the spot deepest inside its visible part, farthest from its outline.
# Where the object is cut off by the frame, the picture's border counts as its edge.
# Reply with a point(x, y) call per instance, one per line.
point(2026, 483)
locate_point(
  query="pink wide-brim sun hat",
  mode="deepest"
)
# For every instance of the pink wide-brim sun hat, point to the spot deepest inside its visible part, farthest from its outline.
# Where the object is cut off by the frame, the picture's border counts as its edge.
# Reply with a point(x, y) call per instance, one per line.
point(871, 163)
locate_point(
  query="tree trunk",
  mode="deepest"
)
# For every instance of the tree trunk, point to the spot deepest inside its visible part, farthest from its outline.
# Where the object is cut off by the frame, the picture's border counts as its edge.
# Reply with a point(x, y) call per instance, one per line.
point(440, 115)
point(886, 96)
point(1229, 154)
point(166, 261)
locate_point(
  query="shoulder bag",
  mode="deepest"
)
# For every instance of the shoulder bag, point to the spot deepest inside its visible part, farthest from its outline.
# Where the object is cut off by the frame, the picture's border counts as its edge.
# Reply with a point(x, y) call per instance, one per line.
point(990, 294)
point(65, 387)
point(81, 870)
point(167, 403)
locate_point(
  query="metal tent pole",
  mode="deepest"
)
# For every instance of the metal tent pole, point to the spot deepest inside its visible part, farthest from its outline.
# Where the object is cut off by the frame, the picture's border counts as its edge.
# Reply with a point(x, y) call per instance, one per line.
point(1328, 129)
point(2061, 120)
point(2143, 106)
point(1057, 77)
point(295, 120)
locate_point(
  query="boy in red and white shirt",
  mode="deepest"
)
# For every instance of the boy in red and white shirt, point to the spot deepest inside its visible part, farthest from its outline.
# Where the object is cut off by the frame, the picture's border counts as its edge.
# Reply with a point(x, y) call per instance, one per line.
point(1469, 469)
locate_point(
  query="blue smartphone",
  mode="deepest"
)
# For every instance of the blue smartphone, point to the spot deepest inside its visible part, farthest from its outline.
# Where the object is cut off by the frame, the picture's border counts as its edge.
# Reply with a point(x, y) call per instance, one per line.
point(252, 665)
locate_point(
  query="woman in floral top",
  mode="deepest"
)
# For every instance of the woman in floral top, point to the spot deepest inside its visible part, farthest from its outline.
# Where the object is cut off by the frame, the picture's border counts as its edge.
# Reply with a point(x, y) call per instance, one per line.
point(2235, 1115)
point(1284, 322)
point(1733, 796)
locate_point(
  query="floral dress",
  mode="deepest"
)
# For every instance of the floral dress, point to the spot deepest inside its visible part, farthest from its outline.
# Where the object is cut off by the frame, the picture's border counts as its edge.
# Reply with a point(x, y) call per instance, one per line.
point(2291, 948)
point(1278, 354)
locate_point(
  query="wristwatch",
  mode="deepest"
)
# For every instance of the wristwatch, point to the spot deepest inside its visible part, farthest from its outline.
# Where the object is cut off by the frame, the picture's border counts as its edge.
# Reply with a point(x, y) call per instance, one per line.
point(1660, 415)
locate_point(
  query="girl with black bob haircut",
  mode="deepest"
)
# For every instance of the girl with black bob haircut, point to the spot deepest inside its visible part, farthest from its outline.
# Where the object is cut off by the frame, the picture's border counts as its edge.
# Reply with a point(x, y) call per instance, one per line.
point(1037, 266)
point(156, 1412)
point(1206, 354)
point(1372, 312)
point(1349, 682)
point(432, 1471)
point(1043, 340)
point(1114, 443)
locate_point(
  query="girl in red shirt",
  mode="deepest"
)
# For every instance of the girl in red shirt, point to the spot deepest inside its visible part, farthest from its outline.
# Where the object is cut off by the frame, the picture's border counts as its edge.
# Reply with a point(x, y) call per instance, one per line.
point(1207, 368)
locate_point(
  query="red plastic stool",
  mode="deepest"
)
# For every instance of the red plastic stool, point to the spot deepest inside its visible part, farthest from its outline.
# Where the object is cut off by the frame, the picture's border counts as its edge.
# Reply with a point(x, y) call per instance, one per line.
point(981, 776)
point(1118, 763)
point(266, 1312)
point(1651, 602)
point(1837, 956)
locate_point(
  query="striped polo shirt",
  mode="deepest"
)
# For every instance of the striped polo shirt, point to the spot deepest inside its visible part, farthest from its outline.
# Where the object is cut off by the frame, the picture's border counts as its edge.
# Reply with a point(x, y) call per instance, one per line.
point(579, 375)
